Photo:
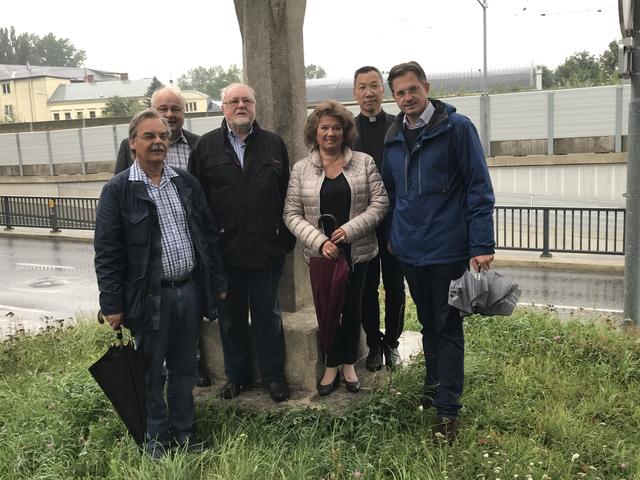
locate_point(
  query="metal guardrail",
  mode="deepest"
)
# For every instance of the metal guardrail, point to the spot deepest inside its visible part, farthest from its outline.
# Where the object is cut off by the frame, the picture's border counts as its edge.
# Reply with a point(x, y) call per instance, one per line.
point(544, 229)
point(48, 212)
point(560, 229)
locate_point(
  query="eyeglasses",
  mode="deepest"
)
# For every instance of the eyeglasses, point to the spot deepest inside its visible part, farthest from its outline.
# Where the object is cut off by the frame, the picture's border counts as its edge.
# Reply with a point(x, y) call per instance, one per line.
point(164, 109)
point(409, 91)
point(234, 102)
point(148, 136)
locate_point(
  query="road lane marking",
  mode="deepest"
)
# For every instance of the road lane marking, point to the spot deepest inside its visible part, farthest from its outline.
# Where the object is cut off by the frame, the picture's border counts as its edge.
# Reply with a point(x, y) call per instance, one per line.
point(39, 266)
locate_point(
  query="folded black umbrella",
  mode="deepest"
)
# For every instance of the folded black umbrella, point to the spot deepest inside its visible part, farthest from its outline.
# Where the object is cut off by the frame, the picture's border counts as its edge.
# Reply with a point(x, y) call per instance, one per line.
point(120, 374)
point(485, 292)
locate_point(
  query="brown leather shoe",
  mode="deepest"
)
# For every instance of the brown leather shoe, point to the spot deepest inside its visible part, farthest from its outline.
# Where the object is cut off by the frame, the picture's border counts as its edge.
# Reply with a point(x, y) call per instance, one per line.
point(445, 431)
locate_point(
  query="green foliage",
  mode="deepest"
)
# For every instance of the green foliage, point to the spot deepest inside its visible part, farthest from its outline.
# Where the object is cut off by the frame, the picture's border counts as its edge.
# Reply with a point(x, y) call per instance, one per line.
point(117, 106)
point(210, 80)
point(30, 48)
point(153, 86)
point(544, 399)
point(314, 71)
point(583, 69)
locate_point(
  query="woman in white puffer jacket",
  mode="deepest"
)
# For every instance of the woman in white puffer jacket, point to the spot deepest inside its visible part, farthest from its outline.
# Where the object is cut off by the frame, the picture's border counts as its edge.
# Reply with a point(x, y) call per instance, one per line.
point(335, 180)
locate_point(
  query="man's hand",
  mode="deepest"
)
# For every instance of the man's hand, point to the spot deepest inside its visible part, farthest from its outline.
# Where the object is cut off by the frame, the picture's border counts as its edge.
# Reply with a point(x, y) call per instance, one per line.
point(114, 320)
point(221, 296)
point(481, 262)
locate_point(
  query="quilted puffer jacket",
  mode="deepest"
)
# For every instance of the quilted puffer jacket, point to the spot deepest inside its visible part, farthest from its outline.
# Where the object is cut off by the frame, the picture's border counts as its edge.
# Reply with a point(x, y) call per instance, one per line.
point(369, 204)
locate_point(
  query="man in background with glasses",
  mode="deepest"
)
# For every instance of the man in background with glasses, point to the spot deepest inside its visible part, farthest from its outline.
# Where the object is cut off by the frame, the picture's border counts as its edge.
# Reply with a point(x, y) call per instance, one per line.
point(244, 171)
point(169, 103)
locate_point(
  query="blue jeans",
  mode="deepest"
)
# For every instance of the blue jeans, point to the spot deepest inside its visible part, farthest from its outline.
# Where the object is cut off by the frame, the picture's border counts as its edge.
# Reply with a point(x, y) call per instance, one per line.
point(174, 343)
point(442, 333)
point(254, 290)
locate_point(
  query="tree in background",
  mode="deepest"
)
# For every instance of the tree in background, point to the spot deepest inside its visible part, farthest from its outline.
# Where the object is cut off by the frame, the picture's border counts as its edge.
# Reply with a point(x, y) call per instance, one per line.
point(583, 69)
point(153, 86)
point(209, 80)
point(48, 50)
point(117, 106)
point(314, 71)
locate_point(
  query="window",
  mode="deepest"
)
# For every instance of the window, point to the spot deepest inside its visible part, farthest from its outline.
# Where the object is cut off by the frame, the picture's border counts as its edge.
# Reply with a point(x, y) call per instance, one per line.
point(56, 116)
point(6, 88)
point(79, 115)
point(67, 115)
point(92, 114)
point(8, 110)
point(190, 107)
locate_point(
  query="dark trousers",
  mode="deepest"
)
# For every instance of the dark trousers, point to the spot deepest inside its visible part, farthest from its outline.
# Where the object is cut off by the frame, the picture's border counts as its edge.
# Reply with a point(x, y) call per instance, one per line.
point(442, 334)
point(345, 344)
point(252, 290)
point(394, 298)
point(174, 343)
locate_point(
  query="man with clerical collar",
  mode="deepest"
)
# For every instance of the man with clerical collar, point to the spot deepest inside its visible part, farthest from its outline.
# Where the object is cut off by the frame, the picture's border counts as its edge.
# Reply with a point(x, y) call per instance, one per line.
point(373, 123)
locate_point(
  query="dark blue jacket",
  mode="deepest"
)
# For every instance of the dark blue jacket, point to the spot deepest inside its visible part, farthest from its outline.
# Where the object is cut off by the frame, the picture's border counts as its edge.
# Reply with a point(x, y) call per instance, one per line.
point(440, 193)
point(128, 250)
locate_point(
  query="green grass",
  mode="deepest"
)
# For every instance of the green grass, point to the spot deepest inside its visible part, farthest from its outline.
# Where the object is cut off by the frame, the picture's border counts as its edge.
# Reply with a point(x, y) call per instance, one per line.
point(544, 399)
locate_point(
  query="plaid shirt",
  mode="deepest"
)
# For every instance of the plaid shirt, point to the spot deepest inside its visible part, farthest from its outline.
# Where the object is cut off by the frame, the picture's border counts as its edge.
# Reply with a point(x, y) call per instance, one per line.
point(178, 256)
point(178, 153)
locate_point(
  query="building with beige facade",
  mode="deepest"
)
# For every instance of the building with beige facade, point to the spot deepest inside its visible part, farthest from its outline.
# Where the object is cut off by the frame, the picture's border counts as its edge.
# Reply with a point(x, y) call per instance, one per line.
point(42, 93)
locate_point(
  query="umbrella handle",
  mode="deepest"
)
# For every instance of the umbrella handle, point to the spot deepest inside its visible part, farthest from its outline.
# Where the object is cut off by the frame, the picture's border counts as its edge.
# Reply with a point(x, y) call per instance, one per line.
point(327, 216)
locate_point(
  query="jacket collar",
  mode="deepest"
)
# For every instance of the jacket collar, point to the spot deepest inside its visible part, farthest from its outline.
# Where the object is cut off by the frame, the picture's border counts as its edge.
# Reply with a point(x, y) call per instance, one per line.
point(316, 161)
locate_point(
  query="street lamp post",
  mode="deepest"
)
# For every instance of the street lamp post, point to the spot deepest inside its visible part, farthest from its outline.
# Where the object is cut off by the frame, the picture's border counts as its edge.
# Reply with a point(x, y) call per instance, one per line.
point(484, 99)
point(629, 22)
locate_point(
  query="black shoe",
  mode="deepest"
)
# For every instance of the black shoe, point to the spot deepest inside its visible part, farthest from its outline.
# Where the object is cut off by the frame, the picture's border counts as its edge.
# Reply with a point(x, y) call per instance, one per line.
point(203, 381)
point(428, 395)
point(445, 431)
point(391, 357)
point(374, 359)
point(353, 387)
point(278, 391)
point(232, 389)
point(324, 390)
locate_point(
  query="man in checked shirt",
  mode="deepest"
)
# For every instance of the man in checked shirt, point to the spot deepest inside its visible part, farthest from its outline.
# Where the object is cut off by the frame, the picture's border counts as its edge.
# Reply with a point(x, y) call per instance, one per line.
point(169, 103)
point(159, 270)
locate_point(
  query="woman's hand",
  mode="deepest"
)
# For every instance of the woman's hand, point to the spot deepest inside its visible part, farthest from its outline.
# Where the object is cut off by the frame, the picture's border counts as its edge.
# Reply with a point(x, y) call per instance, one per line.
point(339, 236)
point(329, 250)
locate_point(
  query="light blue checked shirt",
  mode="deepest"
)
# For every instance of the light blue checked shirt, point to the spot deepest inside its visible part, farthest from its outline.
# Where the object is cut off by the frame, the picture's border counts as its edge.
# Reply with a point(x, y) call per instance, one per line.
point(178, 153)
point(178, 256)
point(238, 144)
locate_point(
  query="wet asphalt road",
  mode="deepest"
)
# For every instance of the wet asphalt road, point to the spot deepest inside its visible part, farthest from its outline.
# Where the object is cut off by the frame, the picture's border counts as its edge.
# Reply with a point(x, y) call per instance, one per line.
point(44, 279)
point(55, 279)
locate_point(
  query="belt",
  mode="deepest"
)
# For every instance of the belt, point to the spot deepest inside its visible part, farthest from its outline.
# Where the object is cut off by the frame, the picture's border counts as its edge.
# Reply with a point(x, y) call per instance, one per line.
point(178, 282)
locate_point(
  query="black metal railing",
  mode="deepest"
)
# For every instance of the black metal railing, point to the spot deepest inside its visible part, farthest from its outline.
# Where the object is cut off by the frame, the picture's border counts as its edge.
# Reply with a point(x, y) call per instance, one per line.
point(48, 212)
point(543, 229)
point(560, 229)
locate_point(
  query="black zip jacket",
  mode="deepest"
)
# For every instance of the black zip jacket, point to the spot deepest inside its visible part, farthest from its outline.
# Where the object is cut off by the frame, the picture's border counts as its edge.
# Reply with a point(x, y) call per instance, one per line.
point(128, 250)
point(247, 203)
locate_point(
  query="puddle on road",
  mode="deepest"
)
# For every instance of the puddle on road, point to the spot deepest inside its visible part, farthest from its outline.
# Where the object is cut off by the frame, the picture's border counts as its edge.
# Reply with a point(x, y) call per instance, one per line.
point(47, 283)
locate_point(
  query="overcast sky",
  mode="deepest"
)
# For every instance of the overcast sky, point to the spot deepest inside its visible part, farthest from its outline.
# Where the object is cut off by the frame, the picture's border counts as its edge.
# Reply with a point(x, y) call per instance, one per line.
point(166, 39)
